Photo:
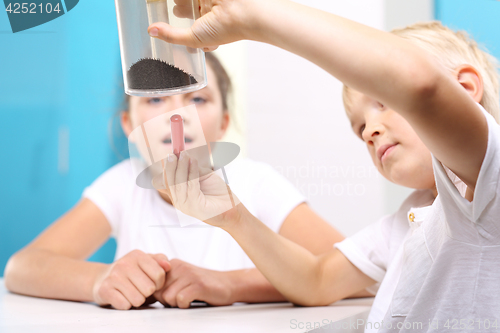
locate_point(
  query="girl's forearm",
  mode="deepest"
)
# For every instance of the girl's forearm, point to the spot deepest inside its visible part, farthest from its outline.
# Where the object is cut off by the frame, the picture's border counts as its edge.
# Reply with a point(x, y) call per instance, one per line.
point(278, 259)
point(40, 273)
point(379, 64)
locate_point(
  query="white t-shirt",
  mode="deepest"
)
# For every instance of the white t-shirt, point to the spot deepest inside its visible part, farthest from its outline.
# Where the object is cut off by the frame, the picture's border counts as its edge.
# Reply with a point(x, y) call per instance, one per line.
point(141, 219)
point(442, 267)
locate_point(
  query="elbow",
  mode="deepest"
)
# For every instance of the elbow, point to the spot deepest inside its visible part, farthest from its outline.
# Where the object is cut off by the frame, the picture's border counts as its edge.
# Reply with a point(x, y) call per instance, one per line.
point(324, 298)
point(314, 301)
point(425, 76)
point(315, 297)
point(8, 273)
point(12, 274)
point(418, 77)
point(318, 291)
point(425, 87)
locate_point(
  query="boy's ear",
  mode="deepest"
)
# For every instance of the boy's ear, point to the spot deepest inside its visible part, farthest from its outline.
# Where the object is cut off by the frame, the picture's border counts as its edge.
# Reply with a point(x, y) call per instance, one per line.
point(470, 78)
point(126, 123)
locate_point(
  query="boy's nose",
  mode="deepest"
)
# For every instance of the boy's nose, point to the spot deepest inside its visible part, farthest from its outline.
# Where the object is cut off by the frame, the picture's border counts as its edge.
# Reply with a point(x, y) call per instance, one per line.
point(371, 131)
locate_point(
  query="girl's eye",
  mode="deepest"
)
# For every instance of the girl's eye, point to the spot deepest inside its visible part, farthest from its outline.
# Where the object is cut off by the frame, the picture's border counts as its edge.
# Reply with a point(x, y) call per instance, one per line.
point(198, 100)
point(155, 100)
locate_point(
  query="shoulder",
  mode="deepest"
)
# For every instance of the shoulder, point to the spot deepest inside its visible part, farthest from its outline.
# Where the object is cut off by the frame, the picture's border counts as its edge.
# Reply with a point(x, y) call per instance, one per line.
point(120, 170)
point(119, 176)
point(110, 190)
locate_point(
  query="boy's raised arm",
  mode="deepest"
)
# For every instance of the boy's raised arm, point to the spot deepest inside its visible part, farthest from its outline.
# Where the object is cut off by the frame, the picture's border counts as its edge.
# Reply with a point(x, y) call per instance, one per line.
point(395, 72)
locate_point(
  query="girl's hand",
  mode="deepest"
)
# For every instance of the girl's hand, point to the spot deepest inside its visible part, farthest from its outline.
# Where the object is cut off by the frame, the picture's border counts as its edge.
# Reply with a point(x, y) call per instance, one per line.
point(130, 280)
point(206, 198)
point(221, 22)
point(186, 283)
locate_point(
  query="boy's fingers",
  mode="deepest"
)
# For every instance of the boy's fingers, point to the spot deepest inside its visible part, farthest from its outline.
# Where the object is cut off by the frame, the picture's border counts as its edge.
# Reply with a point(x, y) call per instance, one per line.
point(162, 185)
point(205, 6)
point(181, 177)
point(169, 34)
point(181, 174)
point(194, 169)
point(210, 48)
point(169, 172)
point(166, 191)
point(183, 10)
point(193, 190)
point(185, 3)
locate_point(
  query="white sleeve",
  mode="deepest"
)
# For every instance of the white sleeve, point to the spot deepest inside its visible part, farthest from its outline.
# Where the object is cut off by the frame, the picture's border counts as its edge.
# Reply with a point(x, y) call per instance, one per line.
point(487, 184)
point(274, 198)
point(107, 193)
point(368, 249)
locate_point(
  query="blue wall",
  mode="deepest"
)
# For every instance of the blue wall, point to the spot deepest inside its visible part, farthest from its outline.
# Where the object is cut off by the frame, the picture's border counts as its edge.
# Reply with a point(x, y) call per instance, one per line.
point(480, 18)
point(61, 77)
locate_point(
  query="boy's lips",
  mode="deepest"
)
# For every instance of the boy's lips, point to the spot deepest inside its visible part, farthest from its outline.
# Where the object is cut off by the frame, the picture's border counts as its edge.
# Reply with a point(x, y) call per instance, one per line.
point(383, 150)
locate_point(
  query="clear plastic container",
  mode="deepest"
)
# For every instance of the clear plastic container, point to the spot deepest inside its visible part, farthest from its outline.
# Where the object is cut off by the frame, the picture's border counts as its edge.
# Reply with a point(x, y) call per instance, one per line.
point(152, 67)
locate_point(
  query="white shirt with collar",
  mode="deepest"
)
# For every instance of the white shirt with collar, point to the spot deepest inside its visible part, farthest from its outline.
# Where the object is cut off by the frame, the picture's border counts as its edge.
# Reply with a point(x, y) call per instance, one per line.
point(437, 266)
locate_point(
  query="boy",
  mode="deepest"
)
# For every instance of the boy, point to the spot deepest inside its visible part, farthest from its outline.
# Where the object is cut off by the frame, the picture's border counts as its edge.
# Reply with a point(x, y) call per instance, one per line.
point(436, 258)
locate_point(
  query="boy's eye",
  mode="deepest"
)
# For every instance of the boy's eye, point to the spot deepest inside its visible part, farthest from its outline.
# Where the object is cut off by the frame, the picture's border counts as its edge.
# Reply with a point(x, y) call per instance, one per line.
point(361, 129)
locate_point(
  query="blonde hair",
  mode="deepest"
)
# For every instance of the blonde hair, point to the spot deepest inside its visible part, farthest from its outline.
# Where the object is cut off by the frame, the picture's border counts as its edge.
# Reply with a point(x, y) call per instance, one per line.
point(453, 49)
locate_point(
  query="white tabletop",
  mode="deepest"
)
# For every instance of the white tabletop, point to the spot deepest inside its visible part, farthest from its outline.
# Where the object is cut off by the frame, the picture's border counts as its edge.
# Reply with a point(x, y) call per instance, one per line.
point(29, 314)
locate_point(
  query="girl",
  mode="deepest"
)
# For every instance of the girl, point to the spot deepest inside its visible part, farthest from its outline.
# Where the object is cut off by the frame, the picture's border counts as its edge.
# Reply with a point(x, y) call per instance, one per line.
point(188, 264)
point(418, 112)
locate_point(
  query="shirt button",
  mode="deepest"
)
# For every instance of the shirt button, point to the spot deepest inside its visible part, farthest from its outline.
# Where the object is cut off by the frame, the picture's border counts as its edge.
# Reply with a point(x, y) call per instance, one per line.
point(411, 217)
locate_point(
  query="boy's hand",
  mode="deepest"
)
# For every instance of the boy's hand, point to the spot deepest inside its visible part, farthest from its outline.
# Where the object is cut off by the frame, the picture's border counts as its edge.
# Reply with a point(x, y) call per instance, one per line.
point(206, 198)
point(129, 281)
point(221, 22)
point(186, 283)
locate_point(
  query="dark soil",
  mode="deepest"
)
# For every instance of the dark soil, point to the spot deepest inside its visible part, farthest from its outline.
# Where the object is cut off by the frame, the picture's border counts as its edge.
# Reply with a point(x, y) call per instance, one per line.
point(157, 74)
